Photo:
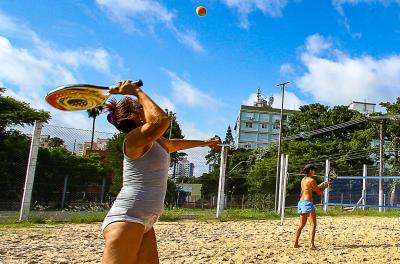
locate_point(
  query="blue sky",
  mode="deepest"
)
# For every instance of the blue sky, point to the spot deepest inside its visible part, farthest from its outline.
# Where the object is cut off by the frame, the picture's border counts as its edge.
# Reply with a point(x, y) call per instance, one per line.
point(203, 68)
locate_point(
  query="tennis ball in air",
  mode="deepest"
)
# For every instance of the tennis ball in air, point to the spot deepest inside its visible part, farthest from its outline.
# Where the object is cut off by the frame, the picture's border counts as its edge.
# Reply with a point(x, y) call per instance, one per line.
point(201, 11)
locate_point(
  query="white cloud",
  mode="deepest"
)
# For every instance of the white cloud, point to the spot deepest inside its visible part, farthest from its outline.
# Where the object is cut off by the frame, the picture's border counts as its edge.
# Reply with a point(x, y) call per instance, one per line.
point(190, 131)
point(339, 78)
point(286, 69)
point(251, 99)
point(145, 9)
point(316, 44)
point(338, 4)
point(291, 100)
point(73, 119)
point(164, 103)
point(29, 71)
point(186, 94)
point(136, 14)
point(245, 7)
point(98, 58)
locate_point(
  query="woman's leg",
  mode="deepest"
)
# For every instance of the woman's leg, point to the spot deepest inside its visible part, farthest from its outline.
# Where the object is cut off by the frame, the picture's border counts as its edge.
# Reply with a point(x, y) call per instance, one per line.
point(302, 223)
point(313, 226)
point(122, 242)
point(148, 252)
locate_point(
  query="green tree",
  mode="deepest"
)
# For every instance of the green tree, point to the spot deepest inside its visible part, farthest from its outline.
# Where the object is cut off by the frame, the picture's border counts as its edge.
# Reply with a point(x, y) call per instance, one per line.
point(14, 112)
point(56, 142)
point(55, 164)
point(115, 157)
point(14, 146)
point(349, 147)
point(174, 130)
point(392, 133)
point(94, 113)
point(228, 136)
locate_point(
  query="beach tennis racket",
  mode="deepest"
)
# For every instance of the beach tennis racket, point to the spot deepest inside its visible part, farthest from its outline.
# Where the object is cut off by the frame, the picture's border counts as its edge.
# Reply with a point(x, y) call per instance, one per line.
point(332, 175)
point(80, 96)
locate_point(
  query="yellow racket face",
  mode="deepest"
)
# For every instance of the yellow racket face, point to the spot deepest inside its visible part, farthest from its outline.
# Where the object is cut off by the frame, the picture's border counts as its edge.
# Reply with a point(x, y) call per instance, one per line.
point(76, 98)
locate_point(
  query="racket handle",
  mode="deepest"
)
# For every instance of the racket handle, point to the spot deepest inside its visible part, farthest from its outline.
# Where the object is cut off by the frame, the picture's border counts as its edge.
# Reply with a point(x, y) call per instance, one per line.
point(138, 83)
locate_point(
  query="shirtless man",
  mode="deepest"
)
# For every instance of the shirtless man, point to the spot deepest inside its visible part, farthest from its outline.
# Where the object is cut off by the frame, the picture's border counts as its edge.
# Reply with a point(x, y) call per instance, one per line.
point(305, 206)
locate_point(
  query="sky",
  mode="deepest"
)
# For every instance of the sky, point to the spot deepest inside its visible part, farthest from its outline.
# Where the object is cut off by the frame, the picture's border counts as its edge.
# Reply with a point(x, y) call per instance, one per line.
point(202, 68)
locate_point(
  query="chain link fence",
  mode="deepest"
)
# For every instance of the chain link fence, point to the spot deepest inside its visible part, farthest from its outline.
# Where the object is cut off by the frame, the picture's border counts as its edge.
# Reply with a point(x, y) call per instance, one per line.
point(75, 172)
point(70, 170)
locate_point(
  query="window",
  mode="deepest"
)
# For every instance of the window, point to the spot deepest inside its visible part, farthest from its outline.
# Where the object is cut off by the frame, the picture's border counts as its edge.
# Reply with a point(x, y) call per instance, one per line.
point(264, 117)
point(247, 146)
point(249, 124)
point(264, 125)
point(275, 125)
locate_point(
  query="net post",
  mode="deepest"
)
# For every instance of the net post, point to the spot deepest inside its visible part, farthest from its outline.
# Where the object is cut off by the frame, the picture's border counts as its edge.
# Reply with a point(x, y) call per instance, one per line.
point(282, 161)
point(384, 202)
point(364, 189)
point(221, 186)
point(326, 192)
point(30, 172)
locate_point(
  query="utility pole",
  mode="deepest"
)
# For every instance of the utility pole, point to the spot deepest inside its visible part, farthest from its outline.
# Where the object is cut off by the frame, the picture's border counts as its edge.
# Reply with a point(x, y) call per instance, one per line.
point(381, 152)
point(282, 85)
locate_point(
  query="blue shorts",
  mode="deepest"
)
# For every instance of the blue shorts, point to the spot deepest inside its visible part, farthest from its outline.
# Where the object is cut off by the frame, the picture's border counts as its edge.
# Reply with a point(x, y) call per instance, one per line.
point(305, 207)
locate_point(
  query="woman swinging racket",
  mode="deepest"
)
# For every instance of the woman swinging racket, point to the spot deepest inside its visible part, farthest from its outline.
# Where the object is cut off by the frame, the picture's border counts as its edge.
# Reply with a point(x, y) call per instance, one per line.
point(128, 226)
point(305, 206)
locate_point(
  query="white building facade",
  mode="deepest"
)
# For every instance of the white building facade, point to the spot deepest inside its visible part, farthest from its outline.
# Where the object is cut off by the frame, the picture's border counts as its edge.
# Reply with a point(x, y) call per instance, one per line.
point(362, 107)
point(257, 126)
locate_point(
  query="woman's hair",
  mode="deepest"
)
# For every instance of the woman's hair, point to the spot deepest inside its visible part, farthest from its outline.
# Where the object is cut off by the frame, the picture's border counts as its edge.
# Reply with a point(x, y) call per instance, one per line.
point(308, 168)
point(122, 113)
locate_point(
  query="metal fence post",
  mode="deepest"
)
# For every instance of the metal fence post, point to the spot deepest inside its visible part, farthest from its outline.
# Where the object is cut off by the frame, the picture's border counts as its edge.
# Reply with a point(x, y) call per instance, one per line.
point(282, 163)
point(30, 172)
point(326, 192)
point(364, 191)
point(221, 186)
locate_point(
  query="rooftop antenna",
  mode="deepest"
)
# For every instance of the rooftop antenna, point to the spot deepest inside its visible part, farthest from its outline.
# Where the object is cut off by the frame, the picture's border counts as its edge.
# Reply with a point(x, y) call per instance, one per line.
point(258, 95)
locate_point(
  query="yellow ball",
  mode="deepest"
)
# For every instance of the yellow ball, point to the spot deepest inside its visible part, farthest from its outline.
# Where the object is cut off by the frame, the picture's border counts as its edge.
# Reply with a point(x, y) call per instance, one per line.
point(201, 11)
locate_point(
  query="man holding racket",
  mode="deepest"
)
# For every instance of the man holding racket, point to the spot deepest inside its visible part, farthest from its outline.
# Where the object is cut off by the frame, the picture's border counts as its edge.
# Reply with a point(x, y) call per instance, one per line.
point(305, 206)
point(128, 227)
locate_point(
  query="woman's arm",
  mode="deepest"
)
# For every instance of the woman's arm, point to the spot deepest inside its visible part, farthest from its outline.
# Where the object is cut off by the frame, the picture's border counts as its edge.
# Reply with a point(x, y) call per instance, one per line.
point(174, 145)
point(319, 188)
point(155, 120)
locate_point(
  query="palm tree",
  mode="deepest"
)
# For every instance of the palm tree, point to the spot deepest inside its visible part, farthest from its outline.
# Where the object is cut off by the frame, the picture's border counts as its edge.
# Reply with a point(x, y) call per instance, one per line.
point(93, 113)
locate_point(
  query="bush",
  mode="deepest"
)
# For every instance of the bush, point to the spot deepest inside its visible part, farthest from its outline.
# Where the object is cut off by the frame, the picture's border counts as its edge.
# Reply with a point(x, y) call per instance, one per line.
point(261, 201)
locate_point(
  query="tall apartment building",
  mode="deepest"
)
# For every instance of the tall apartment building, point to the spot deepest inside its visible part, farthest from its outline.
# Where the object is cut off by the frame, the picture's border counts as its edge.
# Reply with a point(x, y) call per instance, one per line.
point(185, 168)
point(257, 126)
point(99, 144)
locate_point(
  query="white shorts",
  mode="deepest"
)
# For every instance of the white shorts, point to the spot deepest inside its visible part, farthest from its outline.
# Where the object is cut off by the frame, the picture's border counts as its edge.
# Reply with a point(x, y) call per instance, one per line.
point(117, 214)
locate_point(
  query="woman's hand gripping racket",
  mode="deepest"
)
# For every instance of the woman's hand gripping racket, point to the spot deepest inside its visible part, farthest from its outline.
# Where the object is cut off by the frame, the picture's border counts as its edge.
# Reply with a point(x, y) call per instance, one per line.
point(81, 96)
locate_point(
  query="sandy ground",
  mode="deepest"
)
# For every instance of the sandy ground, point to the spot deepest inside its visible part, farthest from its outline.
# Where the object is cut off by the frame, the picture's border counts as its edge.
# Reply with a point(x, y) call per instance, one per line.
point(340, 240)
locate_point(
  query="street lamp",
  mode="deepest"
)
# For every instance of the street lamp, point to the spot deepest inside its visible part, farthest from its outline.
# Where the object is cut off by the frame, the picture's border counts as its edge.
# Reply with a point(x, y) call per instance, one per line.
point(282, 85)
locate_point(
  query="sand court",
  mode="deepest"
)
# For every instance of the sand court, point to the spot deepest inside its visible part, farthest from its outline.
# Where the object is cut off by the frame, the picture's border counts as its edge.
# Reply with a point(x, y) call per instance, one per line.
point(339, 240)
